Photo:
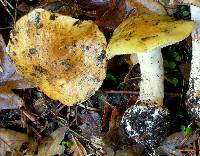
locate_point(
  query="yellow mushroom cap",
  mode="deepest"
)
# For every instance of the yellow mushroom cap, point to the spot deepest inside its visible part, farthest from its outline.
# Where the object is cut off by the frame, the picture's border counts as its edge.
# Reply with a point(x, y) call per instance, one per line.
point(146, 32)
point(63, 56)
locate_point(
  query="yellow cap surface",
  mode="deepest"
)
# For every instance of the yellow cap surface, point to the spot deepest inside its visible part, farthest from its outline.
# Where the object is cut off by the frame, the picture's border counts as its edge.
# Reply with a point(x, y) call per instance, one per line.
point(146, 32)
point(63, 56)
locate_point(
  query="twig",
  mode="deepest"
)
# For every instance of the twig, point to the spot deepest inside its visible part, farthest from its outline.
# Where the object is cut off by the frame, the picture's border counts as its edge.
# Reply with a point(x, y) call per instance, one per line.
point(135, 92)
point(31, 117)
point(58, 109)
point(186, 150)
point(89, 108)
point(185, 140)
point(6, 28)
point(5, 4)
point(35, 131)
point(15, 16)
point(120, 92)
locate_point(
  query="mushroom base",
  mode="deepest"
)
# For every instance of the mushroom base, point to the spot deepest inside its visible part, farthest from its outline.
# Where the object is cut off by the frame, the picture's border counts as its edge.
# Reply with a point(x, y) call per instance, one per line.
point(146, 124)
point(193, 104)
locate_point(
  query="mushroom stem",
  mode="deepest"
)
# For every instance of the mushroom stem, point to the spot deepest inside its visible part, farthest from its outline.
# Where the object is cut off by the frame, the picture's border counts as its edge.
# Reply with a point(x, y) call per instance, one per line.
point(193, 99)
point(194, 83)
point(152, 83)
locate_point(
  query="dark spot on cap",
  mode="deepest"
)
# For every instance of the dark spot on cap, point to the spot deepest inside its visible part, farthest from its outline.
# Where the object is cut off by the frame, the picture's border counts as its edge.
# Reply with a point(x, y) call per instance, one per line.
point(31, 52)
point(53, 17)
point(14, 53)
point(38, 22)
point(21, 68)
point(74, 43)
point(40, 69)
point(100, 58)
point(14, 33)
point(87, 47)
point(33, 74)
point(149, 37)
point(78, 23)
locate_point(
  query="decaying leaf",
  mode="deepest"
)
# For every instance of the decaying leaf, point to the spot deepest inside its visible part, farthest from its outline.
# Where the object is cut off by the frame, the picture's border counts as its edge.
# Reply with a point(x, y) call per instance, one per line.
point(9, 79)
point(112, 136)
point(11, 142)
point(90, 127)
point(52, 146)
point(173, 142)
point(77, 148)
point(9, 100)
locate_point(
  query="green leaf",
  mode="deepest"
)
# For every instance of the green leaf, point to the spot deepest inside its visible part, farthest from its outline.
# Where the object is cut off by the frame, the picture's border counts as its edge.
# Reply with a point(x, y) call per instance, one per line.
point(172, 48)
point(182, 128)
point(111, 77)
point(174, 81)
point(174, 54)
point(67, 143)
point(182, 8)
point(180, 115)
point(185, 13)
point(178, 58)
point(198, 124)
point(188, 130)
point(172, 65)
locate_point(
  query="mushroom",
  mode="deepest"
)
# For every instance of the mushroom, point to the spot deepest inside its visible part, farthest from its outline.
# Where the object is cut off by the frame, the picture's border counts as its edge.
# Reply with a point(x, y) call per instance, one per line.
point(147, 120)
point(193, 94)
point(144, 7)
point(63, 56)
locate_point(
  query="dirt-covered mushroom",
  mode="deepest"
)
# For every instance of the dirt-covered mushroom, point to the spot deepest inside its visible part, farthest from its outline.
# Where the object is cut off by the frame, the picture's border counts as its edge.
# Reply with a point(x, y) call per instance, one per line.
point(193, 94)
point(147, 121)
point(63, 56)
point(193, 100)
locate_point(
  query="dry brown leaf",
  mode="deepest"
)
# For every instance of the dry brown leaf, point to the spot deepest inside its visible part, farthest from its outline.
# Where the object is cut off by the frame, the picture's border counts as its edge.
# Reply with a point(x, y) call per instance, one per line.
point(9, 100)
point(112, 117)
point(52, 146)
point(90, 127)
point(9, 79)
point(11, 142)
point(77, 148)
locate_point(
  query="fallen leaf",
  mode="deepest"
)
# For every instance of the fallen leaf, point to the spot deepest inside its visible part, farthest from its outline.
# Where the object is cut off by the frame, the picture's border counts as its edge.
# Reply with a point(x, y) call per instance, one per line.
point(112, 117)
point(171, 143)
point(90, 127)
point(11, 142)
point(9, 79)
point(10, 100)
point(52, 146)
point(129, 151)
point(77, 148)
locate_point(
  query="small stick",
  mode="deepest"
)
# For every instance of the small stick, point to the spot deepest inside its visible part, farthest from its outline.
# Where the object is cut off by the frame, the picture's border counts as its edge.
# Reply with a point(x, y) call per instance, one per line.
point(6, 28)
point(31, 117)
point(185, 140)
point(35, 131)
point(89, 108)
point(134, 92)
point(186, 150)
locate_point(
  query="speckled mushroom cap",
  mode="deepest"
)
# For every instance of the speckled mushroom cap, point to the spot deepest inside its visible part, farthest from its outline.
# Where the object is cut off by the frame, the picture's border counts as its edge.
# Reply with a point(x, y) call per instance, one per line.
point(63, 56)
point(181, 2)
point(146, 32)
